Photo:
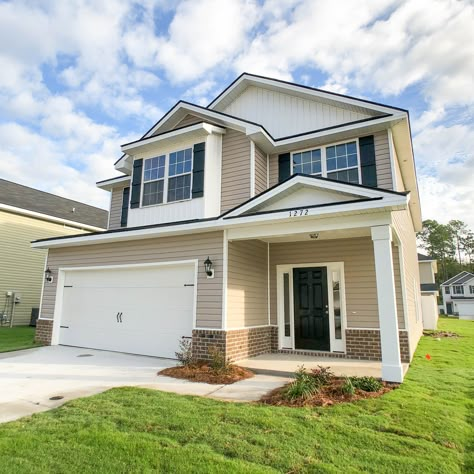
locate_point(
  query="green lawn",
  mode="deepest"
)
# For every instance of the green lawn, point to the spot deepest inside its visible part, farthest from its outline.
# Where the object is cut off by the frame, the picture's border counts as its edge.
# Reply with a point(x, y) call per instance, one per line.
point(425, 426)
point(16, 338)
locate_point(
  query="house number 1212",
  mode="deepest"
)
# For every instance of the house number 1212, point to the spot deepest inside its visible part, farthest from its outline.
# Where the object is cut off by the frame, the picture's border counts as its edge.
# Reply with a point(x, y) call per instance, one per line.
point(299, 212)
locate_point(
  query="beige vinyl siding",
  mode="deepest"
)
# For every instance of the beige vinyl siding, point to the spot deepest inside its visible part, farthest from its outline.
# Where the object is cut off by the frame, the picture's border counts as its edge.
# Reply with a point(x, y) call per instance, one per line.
point(398, 174)
point(403, 225)
point(188, 120)
point(382, 161)
point(260, 171)
point(273, 170)
point(426, 272)
point(165, 249)
point(359, 274)
point(247, 295)
point(235, 169)
point(21, 267)
point(116, 206)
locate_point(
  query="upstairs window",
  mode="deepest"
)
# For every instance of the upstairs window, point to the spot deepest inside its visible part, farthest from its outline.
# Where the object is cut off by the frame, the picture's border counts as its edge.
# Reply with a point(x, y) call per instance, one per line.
point(167, 178)
point(447, 290)
point(179, 181)
point(339, 162)
point(458, 290)
point(471, 289)
point(342, 163)
point(307, 162)
point(153, 180)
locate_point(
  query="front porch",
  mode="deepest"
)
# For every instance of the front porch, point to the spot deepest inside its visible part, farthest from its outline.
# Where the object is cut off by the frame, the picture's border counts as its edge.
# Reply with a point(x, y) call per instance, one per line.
point(285, 365)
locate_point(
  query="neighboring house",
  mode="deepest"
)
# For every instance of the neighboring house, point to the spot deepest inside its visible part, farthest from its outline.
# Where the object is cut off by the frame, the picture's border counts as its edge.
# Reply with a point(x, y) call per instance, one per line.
point(458, 295)
point(27, 214)
point(429, 291)
point(278, 218)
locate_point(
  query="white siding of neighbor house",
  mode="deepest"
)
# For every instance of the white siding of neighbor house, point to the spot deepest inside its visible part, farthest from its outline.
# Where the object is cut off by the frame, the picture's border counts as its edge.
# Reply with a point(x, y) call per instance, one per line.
point(284, 114)
point(165, 249)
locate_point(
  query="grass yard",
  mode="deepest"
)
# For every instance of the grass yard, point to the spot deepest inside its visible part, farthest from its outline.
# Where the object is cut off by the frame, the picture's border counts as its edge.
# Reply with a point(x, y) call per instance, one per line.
point(424, 426)
point(16, 338)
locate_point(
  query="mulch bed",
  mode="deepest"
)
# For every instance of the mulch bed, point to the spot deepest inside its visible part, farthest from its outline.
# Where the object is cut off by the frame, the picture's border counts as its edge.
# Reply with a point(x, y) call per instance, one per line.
point(440, 334)
point(203, 373)
point(328, 395)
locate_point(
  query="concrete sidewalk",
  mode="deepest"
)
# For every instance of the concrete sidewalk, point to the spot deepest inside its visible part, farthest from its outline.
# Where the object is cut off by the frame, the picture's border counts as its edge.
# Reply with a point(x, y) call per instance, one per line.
point(29, 379)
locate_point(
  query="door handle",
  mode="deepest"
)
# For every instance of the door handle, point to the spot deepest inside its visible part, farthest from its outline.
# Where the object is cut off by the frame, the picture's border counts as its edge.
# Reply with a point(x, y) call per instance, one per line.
point(119, 317)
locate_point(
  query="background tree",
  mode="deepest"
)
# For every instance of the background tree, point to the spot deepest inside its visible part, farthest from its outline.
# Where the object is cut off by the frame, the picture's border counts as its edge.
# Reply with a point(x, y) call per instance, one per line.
point(459, 230)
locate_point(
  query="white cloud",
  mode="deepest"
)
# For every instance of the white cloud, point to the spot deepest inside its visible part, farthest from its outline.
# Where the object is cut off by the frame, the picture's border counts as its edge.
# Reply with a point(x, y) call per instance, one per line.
point(445, 163)
point(205, 34)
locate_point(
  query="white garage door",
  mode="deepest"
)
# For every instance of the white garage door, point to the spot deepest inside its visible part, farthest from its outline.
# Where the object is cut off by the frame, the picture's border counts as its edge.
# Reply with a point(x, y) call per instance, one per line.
point(139, 310)
point(465, 309)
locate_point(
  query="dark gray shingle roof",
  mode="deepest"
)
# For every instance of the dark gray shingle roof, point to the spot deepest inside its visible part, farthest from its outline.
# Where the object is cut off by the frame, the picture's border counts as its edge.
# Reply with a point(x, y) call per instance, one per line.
point(460, 278)
point(422, 257)
point(23, 197)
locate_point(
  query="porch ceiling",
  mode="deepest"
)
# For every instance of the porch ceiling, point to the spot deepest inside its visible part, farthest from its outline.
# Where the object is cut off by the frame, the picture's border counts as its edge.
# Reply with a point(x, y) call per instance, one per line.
point(323, 235)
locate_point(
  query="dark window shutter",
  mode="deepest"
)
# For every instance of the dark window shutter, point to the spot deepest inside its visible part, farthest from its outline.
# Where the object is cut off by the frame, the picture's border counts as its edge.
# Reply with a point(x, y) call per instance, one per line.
point(367, 161)
point(125, 199)
point(284, 169)
point(136, 183)
point(198, 169)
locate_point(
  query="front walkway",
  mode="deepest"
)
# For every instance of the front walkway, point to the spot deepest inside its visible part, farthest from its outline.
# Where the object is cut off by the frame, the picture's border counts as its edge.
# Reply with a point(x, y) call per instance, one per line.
point(29, 379)
point(286, 364)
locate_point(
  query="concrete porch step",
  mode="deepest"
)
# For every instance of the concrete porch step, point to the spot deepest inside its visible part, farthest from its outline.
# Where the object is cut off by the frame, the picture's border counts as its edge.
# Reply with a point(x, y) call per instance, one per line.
point(285, 365)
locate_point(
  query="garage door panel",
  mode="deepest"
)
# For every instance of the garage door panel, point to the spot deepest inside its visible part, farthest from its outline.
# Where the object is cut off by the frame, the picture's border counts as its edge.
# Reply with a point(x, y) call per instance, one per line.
point(156, 309)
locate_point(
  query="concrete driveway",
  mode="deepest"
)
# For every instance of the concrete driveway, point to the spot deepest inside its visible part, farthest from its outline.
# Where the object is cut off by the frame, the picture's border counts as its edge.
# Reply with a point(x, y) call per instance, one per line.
point(29, 379)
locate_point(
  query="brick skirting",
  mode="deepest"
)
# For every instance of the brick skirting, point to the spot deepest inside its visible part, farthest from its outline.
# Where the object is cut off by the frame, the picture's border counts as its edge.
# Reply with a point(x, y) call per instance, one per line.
point(44, 331)
point(364, 344)
point(238, 343)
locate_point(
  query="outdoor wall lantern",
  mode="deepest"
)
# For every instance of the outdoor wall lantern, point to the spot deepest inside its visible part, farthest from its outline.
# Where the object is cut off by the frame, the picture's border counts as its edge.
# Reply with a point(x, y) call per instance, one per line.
point(48, 275)
point(208, 268)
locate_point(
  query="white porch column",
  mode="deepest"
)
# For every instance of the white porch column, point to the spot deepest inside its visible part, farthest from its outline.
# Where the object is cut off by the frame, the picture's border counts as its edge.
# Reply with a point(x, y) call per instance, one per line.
point(392, 370)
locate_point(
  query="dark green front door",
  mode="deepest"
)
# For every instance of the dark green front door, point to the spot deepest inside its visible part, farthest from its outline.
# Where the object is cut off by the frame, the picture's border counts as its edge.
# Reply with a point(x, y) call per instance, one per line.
point(311, 308)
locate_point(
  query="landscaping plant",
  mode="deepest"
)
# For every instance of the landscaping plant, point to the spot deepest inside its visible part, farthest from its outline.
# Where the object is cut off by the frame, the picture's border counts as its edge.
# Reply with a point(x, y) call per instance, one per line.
point(303, 387)
point(367, 384)
point(347, 388)
point(220, 364)
point(185, 353)
point(322, 375)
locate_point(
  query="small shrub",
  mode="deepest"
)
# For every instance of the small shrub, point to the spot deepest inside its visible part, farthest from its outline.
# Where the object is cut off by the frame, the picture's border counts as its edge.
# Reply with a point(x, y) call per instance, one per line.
point(303, 387)
point(347, 388)
point(185, 353)
point(219, 363)
point(367, 384)
point(322, 375)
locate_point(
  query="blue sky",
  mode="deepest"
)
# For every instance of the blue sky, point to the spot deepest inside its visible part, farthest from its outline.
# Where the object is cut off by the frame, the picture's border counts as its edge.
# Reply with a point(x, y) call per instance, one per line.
point(80, 78)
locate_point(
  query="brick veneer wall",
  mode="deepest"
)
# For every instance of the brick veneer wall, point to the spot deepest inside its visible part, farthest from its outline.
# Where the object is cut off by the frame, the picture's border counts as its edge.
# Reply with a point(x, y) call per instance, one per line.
point(237, 344)
point(44, 331)
point(365, 344)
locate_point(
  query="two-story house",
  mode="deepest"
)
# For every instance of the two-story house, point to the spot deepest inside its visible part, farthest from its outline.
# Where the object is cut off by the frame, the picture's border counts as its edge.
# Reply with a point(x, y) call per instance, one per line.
point(458, 295)
point(278, 218)
point(28, 214)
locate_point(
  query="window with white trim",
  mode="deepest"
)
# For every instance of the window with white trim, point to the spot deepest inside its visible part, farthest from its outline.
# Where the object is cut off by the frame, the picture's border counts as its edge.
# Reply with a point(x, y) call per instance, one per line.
point(153, 180)
point(458, 290)
point(342, 162)
point(471, 289)
point(339, 162)
point(179, 181)
point(447, 290)
point(167, 178)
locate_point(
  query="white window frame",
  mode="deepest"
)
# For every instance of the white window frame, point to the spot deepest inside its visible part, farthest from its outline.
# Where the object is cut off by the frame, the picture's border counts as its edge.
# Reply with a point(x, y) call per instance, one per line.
point(284, 342)
point(166, 178)
point(471, 289)
point(324, 172)
point(456, 287)
point(147, 182)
